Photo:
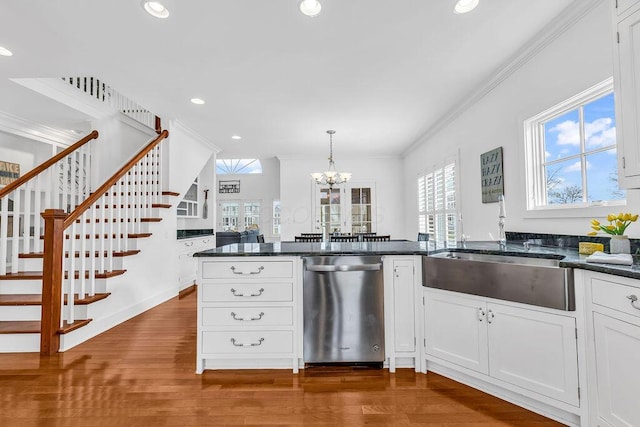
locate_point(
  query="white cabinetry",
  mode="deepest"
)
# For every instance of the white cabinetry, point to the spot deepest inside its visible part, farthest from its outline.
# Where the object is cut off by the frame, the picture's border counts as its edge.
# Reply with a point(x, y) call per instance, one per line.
point(248, 313)
point(402, 317)
point(187, 264)
point(626, 21)
point(613, 308)
point(532, 349)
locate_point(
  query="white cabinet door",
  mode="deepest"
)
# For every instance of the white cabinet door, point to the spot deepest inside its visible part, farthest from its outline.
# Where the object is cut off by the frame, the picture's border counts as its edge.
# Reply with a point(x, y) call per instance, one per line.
point(627, 92)
point(403, 304)
point(455, 330)
point(617, 357)
point(534, 350)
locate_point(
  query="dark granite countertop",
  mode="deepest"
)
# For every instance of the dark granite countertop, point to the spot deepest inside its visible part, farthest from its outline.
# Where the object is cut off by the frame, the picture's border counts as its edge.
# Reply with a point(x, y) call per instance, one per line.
point(569, 256)
point(189, 234)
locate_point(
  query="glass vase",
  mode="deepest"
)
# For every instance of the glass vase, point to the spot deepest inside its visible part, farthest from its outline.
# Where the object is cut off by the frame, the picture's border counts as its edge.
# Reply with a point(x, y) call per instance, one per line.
point(619, 245)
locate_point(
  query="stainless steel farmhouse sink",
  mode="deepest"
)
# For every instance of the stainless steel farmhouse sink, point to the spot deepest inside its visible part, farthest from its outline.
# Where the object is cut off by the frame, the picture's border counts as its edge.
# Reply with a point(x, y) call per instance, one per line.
point(524, 279)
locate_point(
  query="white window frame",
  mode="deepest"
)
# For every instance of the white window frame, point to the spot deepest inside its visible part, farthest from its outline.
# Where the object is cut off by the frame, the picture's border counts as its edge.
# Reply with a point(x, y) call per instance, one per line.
point(535, 159)
point(438, 208)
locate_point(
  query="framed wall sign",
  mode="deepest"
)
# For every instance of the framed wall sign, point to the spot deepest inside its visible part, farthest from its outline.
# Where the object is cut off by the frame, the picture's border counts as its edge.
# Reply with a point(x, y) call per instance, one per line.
point(492, 175)
point(225, 187)
point(9, 172)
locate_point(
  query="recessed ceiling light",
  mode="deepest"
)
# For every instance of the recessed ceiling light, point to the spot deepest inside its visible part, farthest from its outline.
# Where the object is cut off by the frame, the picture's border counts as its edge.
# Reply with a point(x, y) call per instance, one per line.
point(155, 8)
point(464, 6)
point(197, 101)
point(236, 137)
point(5, 52)
point(310, 7)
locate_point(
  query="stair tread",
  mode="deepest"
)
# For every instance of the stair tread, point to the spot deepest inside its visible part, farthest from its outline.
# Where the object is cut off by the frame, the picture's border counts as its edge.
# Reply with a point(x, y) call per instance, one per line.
point(37, 275)
point(68, 327)
point(170, 193)
point(106, 236)
point(20, 327)
point(36, 299)
point(115, 254)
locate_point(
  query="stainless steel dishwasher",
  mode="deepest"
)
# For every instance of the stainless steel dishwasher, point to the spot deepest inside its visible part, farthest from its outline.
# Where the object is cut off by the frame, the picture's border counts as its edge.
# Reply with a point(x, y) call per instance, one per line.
point(343, 309)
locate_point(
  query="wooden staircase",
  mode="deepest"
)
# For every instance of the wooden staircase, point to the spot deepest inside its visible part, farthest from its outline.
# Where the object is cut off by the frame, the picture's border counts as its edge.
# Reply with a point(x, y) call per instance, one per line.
point(45, 292)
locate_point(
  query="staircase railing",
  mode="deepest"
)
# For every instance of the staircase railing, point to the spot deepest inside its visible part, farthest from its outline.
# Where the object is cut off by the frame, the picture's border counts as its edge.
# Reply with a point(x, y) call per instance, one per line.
point(61, 182)
point(80, 247)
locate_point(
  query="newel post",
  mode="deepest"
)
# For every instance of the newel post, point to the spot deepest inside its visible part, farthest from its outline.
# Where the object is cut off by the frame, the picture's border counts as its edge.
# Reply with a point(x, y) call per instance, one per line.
point(52, 280)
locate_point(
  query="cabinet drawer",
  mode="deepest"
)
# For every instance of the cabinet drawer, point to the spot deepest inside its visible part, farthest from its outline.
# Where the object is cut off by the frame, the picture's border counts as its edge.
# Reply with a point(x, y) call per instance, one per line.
point(254, 270)
point(247, 292)
point(616, 296)
point(253, 342)
point(247, 316)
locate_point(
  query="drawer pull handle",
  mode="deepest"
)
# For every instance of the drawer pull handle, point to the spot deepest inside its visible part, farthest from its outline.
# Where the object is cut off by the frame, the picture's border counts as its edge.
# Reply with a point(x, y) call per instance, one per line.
point(252, 344)
point(481, 314)
point(244, 319)
point(233, 269)
point(235, 294)
point(634, 300)
point(490, 316)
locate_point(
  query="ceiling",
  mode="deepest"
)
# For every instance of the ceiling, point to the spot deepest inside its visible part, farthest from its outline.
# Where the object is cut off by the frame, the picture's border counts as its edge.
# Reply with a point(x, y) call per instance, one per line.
point(379, 72)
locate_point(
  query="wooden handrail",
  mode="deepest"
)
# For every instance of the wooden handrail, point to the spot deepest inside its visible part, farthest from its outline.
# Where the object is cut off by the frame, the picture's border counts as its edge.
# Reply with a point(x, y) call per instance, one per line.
point(45, 165)
point(95, 196)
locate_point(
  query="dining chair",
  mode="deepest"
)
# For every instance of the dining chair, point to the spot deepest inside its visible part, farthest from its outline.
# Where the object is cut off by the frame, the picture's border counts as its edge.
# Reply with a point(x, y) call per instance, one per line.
point(423, 237)
point(386, 238)
point(308, 238)
point(311, 234)
point(344, 238)
point(260, 238)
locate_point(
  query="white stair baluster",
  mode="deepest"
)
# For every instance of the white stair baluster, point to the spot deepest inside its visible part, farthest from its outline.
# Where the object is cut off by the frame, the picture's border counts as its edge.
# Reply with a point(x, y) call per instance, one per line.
point(28, 213)
point(15, 232)
point(4, 218)
point(37, 209)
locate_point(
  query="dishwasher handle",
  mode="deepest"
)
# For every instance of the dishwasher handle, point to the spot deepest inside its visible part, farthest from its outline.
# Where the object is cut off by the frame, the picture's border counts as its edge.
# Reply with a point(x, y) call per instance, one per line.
point(344, 267)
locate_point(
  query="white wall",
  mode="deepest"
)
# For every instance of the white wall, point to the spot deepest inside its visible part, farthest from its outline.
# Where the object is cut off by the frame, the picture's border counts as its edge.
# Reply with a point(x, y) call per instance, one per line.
point(296, 189)
point(264, 187)
point(118, 142)
point(23, 151)
point(578, 59)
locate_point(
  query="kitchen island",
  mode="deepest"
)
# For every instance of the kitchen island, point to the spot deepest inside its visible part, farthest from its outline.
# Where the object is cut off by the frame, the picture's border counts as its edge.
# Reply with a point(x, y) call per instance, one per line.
point(560, 363)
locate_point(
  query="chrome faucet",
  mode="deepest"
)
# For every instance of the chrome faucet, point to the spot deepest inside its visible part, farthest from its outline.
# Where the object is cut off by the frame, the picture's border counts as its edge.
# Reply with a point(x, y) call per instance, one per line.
point(501, 217)
point(463, 237)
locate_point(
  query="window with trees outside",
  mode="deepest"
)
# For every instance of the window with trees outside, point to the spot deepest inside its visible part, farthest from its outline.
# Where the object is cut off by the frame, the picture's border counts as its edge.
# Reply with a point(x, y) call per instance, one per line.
point(437, 207)
point(571, 152)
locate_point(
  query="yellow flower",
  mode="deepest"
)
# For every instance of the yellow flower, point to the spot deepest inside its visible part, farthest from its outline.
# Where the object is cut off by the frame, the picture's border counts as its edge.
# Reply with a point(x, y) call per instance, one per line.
point(618, 224)
point(592, 233)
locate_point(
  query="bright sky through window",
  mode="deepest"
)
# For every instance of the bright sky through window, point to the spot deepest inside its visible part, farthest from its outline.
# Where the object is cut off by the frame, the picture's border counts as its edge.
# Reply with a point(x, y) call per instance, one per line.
point(238, 166)
point(580, 154)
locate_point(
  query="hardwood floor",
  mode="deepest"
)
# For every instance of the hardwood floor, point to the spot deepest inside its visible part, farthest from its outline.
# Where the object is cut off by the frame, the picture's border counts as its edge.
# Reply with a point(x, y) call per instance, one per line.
point(141, 373)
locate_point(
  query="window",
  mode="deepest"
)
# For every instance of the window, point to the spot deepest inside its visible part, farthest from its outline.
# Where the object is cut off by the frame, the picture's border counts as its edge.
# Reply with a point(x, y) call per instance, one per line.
point(571, 152)
point(238, 166)
point(230, 212)
point(276, 217)
point(251, 214)
point(437, 207)
point(346, 208)
point(361, 210)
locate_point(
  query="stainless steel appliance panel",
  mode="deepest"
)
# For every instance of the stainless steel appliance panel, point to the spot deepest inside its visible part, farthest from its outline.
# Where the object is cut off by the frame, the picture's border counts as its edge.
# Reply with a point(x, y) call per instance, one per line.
point(343, 307)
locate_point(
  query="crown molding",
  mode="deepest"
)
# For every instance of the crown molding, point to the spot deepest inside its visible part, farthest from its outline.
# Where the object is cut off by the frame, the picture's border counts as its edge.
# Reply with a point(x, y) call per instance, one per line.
point(36, 131)
point(566, 19)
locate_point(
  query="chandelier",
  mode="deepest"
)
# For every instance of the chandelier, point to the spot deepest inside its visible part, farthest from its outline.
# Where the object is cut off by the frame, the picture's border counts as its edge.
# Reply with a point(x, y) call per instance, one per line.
point(331, 177)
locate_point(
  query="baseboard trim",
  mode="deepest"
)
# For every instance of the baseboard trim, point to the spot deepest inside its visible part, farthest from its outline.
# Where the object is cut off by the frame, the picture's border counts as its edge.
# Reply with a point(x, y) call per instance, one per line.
point(186, 291)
